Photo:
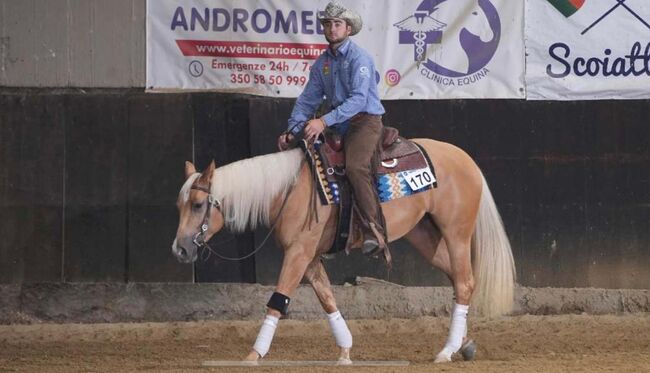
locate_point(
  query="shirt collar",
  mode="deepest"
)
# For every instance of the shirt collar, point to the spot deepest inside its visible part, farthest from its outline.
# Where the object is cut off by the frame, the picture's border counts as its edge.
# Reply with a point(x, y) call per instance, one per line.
point(343, 49)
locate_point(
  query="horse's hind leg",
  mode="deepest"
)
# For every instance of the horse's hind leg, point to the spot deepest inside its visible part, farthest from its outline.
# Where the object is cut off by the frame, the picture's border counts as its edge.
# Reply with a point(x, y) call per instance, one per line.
point(317, 277)
point(460, 263)
point(428, 240)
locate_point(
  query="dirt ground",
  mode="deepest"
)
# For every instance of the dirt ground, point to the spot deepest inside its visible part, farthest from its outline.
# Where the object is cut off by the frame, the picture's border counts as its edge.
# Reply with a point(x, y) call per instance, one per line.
point(576, 343)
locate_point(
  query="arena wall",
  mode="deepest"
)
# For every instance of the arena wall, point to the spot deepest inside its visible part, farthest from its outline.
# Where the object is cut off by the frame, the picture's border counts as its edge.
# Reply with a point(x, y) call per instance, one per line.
point(90, 179)
point(90, 165)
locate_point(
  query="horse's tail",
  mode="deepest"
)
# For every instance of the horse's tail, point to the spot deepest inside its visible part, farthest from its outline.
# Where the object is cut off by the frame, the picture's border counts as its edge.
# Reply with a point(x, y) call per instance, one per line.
point(493, 264)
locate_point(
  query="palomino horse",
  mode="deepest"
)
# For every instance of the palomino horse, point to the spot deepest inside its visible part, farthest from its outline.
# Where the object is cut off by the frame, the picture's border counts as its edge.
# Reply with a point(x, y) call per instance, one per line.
point(456, 228)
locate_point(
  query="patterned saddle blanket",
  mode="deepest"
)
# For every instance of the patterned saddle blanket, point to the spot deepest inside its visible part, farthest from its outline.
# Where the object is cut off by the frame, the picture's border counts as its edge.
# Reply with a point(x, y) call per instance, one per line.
point(403, 167)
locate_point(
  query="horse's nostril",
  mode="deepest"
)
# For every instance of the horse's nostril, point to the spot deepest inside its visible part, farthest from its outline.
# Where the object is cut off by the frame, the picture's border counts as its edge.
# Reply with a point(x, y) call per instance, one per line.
point(182, 251)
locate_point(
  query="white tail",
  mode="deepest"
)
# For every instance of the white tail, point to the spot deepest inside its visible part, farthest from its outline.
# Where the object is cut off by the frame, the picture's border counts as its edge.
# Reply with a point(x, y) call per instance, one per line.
point(492, 261)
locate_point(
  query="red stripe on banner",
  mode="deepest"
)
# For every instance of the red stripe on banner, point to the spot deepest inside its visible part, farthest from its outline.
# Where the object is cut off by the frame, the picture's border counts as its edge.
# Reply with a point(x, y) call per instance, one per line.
point(244, 49)
point(577, 3)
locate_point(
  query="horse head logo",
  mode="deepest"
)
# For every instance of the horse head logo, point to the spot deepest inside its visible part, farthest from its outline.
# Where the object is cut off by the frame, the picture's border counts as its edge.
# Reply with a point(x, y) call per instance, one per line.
point(452, 38)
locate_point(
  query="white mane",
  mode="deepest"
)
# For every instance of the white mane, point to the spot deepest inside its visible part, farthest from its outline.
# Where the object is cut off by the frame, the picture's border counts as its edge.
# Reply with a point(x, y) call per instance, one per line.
point(246, 188)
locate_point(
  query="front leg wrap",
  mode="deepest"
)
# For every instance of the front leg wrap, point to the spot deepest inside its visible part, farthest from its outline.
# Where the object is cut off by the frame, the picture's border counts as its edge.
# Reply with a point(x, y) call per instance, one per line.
point(265, 337)
point(340, 329)
point(280, 303)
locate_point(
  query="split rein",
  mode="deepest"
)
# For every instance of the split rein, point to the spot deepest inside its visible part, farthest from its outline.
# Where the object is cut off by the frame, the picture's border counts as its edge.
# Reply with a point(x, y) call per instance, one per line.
point(199, 238)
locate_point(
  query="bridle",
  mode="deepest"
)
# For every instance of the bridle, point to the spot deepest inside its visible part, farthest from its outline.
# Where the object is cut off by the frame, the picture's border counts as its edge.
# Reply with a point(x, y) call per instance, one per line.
point(199, 238)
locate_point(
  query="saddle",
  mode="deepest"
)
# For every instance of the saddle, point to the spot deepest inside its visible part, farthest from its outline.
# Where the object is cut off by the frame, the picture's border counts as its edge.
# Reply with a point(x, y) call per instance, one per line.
point(398, 160)
point(396, 154)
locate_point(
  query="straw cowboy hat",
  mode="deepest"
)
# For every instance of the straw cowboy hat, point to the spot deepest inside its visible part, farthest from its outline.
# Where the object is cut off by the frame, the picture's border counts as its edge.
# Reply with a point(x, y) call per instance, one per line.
point(337, 10)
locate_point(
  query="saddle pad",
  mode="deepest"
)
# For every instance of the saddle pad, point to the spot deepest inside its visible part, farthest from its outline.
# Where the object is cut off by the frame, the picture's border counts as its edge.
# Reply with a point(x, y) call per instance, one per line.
point(401, 184)
point(389, 186)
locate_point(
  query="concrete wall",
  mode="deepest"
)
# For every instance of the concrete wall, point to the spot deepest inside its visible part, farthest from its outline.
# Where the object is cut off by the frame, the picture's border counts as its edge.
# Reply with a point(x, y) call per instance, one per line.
point(72, 43)
point(101, 303)
point(88, 178)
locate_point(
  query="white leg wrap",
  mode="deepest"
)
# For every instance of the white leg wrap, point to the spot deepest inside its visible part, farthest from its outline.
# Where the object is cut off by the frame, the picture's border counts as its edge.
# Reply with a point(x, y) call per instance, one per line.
point(457, 330)
point(263, 342)
point(340, 330)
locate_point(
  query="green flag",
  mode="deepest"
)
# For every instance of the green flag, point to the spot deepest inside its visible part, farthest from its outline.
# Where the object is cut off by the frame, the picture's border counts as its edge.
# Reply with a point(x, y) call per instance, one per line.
point(567, 7)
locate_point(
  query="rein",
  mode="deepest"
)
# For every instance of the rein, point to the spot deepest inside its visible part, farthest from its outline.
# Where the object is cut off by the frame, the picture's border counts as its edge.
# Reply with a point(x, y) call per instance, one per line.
point(199, 238)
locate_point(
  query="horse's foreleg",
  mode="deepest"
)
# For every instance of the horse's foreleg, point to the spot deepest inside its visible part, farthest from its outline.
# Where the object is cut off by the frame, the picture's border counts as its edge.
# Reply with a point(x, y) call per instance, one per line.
point(296, 260)
point(317, 277)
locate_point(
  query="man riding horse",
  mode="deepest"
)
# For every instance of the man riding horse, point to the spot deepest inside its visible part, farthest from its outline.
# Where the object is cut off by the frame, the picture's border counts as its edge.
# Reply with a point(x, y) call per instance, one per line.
point(345, 75)
point(456, 227)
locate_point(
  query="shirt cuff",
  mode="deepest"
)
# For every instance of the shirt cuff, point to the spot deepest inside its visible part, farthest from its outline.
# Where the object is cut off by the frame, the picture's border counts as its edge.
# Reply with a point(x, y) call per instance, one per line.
point(328, 119)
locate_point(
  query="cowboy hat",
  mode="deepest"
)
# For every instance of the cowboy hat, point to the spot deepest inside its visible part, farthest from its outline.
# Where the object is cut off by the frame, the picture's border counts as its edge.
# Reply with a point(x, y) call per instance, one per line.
point(337, 10)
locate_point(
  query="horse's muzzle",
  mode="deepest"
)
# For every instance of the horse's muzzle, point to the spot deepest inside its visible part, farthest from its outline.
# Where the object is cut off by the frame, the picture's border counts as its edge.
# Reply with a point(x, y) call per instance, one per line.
point(182, 254)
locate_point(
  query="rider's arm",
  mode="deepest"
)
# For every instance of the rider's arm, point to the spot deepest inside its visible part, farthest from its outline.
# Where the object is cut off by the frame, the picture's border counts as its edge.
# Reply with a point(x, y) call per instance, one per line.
point(362, 76)
point(308, 101)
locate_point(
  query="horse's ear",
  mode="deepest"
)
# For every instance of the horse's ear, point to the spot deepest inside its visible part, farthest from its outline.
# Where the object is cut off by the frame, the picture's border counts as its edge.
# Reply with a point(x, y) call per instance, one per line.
point(206, 177)
point(189, 169)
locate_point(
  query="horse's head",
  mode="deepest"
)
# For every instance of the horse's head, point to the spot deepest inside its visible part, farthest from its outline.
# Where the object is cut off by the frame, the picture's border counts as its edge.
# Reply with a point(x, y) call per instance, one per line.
point(464, 14)
point(200, 214)
point(478, 23)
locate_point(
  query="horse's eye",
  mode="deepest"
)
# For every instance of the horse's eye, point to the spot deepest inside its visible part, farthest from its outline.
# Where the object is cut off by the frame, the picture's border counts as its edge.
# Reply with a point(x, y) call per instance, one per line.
point(197, 205)
point(475, 13)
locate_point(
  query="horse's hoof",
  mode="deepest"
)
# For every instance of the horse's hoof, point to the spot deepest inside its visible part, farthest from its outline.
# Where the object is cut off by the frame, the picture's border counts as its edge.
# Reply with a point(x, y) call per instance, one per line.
point(344, 357)
point(442, 357)
point(252, 358)
point(344, 361)
point(468, 350)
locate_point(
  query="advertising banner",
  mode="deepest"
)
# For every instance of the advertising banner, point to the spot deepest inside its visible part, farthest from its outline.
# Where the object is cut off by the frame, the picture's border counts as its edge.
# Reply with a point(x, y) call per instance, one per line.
point(588, 49)
point(422, 49)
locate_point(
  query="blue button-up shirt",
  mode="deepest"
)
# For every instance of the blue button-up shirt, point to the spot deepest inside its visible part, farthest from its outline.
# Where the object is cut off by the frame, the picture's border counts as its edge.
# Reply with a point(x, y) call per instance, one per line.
point(348, 84)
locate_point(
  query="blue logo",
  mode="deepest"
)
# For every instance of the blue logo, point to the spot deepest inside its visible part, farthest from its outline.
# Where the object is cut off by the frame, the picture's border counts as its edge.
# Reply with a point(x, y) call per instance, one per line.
point(452, 39)
point(196, 68)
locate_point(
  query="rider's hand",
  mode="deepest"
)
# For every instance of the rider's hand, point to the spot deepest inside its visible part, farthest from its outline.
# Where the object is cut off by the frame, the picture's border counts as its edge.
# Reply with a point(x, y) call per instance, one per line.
point(314, 128)
point(284, 140)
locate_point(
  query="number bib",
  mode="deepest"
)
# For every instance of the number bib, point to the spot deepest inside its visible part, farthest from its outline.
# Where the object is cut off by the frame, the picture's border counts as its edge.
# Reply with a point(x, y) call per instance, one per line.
point(418, 179)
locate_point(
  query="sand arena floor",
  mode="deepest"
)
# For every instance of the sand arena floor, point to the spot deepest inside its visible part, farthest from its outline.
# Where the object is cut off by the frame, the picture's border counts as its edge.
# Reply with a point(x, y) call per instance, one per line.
point(576, 343)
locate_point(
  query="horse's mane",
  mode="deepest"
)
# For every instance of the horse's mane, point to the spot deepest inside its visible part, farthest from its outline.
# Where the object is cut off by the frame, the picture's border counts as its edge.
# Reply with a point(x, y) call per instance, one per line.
point(246, 188)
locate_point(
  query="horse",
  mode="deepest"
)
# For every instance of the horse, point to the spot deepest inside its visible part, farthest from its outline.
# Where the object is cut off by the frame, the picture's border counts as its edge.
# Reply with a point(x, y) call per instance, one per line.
point(459, 16)
point(455, 227)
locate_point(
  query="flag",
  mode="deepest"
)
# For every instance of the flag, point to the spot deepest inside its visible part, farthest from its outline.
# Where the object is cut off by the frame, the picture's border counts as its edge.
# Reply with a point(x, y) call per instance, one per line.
point(567, 7)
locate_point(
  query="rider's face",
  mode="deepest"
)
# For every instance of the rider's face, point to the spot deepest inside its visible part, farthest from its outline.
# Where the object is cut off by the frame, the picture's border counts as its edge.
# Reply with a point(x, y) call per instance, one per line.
point(336, 30)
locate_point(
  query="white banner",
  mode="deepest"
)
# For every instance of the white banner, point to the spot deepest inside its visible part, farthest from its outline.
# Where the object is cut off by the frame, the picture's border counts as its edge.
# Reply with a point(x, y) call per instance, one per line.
point(423, 49)
point(583, 50)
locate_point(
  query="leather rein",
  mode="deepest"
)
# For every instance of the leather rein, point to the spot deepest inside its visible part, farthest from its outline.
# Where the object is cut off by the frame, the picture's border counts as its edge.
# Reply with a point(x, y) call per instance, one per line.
point(199, 238)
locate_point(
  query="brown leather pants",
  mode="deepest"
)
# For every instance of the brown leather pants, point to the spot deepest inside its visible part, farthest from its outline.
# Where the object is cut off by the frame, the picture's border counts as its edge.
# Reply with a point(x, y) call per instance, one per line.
point(361, 144)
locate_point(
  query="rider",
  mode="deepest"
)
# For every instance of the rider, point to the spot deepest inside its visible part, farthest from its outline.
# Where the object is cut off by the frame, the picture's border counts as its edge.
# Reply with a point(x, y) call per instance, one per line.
point(345, 76)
